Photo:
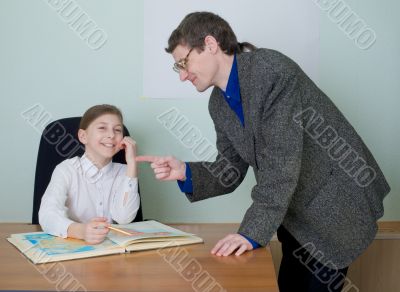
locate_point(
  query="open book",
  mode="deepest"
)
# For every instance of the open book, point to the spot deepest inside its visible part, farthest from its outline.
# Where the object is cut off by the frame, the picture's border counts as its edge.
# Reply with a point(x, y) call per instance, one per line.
point(41, 247)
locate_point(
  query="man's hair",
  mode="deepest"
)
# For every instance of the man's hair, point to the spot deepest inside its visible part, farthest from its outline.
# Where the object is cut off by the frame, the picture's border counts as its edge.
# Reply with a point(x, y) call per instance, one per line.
point(96, 111)
point(196, 26)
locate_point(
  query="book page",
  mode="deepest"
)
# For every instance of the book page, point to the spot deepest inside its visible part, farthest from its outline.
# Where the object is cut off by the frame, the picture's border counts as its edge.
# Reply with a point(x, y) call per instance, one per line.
point(41, 247)
point(145, 231)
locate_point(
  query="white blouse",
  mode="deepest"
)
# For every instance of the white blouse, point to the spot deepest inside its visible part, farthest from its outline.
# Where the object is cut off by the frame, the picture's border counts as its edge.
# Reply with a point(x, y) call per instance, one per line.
point(79, 191)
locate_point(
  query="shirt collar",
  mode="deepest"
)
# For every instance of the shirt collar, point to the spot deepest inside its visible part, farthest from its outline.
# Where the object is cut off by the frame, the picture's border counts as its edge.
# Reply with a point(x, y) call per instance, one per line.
point(232, 88)
point(91, 172)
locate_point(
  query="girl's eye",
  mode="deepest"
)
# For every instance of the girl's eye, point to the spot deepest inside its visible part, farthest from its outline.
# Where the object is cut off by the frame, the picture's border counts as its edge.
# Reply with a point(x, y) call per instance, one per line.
point(102, 128)
point(118, 130)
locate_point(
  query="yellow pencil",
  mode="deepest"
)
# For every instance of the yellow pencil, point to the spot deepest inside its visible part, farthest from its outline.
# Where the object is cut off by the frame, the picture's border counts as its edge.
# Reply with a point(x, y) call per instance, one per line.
point(119, 230)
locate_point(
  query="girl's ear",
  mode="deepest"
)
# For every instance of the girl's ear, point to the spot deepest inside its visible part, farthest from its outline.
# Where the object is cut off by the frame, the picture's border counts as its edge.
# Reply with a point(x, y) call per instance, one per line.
point(82, 136)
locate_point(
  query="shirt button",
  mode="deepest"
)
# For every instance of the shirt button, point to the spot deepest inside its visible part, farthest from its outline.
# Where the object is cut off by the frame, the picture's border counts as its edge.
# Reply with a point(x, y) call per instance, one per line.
point(101, 203)
point(228, 96)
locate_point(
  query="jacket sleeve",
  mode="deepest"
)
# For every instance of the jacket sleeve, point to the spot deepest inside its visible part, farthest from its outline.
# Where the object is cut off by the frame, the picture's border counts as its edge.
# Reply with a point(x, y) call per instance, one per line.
point(220, 177)
point(279, 162)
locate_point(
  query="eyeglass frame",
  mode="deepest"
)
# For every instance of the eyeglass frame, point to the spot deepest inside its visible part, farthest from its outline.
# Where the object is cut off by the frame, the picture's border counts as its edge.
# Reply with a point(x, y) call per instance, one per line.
point(182, 63)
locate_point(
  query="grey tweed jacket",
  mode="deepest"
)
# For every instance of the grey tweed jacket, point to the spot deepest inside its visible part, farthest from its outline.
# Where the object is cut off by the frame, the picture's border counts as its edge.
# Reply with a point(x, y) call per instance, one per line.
point(314, 173)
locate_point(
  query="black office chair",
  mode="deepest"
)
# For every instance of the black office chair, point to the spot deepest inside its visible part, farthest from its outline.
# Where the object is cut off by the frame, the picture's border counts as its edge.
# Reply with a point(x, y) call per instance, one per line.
point(60, 141)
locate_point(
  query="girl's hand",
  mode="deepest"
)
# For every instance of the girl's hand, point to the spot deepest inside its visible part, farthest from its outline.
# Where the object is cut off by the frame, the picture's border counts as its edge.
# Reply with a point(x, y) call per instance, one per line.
point(129, 145)
point(96, 230)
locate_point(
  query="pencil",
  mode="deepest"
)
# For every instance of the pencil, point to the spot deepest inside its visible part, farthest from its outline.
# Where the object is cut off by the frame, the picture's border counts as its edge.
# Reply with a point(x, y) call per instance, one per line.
point(119, 230)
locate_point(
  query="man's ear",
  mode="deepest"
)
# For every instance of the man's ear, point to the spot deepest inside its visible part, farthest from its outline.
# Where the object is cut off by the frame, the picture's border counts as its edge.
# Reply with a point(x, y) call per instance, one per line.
point(82, 136)
point(211, 44)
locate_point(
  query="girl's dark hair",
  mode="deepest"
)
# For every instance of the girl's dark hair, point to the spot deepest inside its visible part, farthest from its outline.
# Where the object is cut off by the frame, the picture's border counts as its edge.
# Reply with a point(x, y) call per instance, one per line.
point(196, 26)
point(96, 111)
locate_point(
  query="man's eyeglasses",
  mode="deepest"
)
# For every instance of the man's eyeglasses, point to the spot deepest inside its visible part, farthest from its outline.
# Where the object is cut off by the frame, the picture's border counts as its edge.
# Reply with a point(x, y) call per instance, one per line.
point(182, 63)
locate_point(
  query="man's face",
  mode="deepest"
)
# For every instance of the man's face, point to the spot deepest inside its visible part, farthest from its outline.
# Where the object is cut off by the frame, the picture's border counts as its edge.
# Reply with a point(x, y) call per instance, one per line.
point(200, 67)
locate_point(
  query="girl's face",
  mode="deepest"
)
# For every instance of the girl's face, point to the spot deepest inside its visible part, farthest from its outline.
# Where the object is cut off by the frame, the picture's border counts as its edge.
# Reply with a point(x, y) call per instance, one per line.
point(102, 138)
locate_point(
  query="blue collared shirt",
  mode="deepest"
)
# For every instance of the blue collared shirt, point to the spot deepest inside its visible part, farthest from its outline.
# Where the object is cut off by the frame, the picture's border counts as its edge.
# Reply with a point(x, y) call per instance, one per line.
point(234, 100)
point(187, 185)
point(232, 93)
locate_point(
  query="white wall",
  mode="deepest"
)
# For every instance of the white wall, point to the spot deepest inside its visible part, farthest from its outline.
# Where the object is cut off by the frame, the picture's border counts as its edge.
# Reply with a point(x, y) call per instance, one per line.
point(43, 61)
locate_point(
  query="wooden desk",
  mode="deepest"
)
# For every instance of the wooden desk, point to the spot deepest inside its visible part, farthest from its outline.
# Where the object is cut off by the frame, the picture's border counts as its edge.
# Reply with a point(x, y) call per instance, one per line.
point(141, 271)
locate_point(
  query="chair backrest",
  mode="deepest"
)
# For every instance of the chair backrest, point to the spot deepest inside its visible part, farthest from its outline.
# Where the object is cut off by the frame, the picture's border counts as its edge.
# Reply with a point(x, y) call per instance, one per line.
point(59, 141)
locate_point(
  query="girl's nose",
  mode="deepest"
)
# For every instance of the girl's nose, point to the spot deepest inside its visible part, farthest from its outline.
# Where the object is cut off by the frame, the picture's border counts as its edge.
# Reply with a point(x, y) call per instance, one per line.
point(110, 134)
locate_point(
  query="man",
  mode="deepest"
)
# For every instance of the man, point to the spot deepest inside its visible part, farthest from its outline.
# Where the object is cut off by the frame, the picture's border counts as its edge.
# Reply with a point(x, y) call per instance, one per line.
point(318, 185)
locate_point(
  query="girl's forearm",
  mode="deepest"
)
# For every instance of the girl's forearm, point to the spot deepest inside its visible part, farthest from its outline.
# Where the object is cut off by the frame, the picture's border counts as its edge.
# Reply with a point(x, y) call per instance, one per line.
point(76, 230)
point(131, 170)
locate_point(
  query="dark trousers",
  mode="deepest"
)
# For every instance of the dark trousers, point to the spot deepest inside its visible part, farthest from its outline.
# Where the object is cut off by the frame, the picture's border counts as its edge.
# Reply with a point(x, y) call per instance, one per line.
point(299, 272)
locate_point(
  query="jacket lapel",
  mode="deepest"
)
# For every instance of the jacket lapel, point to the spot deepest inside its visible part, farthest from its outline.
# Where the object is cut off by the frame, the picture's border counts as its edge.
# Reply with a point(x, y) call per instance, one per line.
point(243, 62)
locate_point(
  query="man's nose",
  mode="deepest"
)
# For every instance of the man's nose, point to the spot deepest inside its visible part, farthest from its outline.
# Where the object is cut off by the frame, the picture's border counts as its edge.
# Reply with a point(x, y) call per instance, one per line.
point(183, 75)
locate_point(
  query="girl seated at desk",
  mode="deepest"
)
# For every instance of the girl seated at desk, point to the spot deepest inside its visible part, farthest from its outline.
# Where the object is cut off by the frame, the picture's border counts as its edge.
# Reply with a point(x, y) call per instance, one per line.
point(87, 193)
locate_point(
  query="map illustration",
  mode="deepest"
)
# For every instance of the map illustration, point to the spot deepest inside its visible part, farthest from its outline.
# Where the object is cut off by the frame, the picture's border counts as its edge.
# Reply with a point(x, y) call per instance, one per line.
point(52, 245)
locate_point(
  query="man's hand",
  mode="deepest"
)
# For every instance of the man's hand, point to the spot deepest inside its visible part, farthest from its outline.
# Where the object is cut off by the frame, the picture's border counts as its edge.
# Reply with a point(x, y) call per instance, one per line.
point(165, 167)
point(231, 243)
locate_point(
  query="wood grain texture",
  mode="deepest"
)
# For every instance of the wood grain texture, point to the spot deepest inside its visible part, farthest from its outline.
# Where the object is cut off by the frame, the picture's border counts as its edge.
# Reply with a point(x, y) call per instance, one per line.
point(173, 269)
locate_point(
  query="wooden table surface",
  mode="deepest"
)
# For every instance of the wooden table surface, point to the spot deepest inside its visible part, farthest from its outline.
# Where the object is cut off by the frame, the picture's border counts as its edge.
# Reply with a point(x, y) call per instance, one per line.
point(144, 270)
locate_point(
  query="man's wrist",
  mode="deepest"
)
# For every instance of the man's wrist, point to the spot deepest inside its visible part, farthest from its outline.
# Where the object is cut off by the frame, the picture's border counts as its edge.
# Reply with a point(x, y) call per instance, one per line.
point(253, 243)
point(185, 183)
point(183, 178)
